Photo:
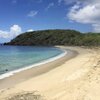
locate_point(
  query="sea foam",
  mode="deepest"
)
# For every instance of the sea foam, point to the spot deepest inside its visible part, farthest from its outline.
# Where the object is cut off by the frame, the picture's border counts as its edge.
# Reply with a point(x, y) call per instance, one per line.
point(34, 65)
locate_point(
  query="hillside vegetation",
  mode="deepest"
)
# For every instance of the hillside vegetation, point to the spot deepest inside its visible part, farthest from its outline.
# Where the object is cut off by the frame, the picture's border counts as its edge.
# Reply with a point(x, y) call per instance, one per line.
point(56, 37)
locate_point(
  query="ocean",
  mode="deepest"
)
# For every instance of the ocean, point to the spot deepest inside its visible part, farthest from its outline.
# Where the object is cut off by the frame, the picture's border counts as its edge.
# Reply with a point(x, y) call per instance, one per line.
point(17, 57)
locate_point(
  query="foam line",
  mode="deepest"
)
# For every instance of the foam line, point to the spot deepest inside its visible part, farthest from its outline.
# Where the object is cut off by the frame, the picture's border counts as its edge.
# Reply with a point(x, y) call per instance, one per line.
point(34, 65)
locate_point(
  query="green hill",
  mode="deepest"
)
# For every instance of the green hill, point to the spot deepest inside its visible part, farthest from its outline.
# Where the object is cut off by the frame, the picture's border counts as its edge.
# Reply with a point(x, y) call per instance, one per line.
point(56, 37)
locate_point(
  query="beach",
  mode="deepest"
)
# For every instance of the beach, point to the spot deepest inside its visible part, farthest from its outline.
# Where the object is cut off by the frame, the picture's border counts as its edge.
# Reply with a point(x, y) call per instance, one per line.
point(76, 76)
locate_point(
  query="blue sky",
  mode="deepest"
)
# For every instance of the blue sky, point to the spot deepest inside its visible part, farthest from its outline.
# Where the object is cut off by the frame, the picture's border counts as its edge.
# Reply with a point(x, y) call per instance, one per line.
point(18, 16)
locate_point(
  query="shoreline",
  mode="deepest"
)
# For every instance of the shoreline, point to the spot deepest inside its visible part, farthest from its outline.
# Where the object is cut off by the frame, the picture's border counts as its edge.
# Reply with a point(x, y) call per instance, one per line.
point(11, 73)
point(23, 74)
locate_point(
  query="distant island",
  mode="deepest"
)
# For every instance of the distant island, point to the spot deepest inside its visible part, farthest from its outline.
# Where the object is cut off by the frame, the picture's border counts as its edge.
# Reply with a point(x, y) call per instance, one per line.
point(56, 37)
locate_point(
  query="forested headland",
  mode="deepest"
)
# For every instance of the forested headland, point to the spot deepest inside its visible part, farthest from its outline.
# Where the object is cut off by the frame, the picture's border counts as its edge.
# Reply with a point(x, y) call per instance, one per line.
point(56, 37)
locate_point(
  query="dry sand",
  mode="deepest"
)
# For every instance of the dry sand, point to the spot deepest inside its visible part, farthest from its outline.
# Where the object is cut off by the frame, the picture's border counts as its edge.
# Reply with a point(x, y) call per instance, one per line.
point(75, 79)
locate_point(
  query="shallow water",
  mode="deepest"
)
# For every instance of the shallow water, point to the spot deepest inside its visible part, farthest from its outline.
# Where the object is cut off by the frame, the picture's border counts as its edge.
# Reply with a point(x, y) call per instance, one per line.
point(16, 57)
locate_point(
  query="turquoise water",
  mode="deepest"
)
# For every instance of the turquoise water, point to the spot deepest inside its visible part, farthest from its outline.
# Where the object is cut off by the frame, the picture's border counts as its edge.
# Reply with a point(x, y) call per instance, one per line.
point(16, 57)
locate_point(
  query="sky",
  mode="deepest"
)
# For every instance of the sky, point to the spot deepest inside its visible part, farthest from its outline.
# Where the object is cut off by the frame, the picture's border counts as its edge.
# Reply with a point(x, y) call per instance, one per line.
point(18, 16)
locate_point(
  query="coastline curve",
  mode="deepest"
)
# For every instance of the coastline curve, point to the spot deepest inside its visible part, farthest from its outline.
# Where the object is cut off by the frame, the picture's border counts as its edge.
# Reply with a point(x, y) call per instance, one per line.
point(21, 75)
point(8, 74)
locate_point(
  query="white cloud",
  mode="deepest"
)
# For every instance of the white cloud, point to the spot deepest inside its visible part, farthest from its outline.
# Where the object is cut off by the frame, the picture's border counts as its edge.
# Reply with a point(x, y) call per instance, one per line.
point(14, 31)
point(32, 13)
point(86, 12)
point(30, 30)
point(83, 15)
point(49, 6)
point(4, 34)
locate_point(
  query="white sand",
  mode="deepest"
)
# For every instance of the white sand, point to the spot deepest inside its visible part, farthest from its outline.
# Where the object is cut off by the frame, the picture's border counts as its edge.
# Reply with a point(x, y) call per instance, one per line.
point(76, 79)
